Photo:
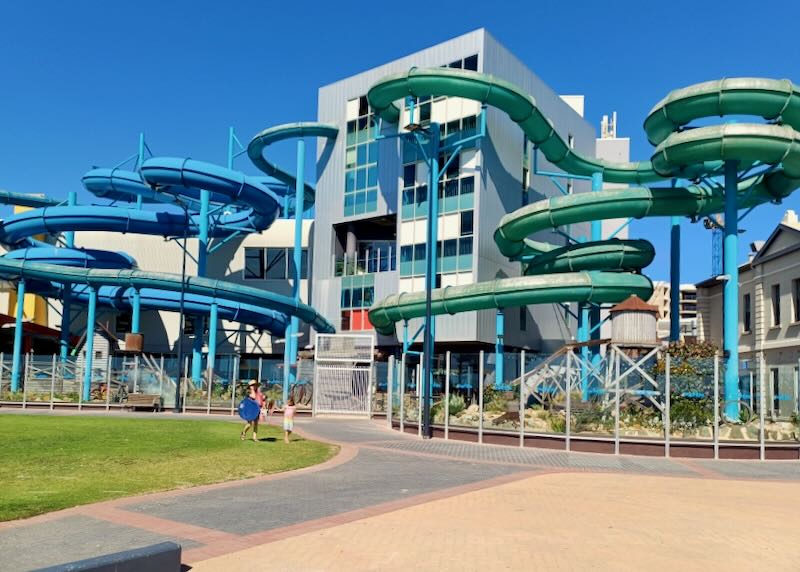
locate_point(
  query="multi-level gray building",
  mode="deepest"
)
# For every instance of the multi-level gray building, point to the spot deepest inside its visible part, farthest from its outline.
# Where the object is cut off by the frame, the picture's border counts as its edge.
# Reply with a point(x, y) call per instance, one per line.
point(369, 232)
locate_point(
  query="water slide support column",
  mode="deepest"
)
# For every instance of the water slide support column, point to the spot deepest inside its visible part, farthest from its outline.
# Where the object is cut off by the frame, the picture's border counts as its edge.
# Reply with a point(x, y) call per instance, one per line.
point(675, 280)
point(15, 363)
point(87, 361)
point(202, 259)
point(292, 333)
point(730, 292)
point(499, 373)
point(66, 304)
point(430, 277)
point(136, 313)
point(594, 312)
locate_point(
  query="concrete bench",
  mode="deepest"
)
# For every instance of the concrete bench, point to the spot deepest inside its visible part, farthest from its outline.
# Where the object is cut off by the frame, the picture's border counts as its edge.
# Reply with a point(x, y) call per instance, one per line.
point(144, 401)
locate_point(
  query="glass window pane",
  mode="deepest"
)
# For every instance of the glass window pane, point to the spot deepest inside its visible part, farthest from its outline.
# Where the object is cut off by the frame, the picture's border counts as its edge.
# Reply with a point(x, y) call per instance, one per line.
point(466, 222)
point(361, 179)
point(369, 295)
point(409, 175)
point(471, 63)
point(350, 158)
point(345, 297)
point(465, 245)
point(276, 264)
point(450, 247)
point(372, 176)
point(357, 297)
point(349, 181)
point(363, 105)
point(372, 152)
point(253, 263)
point(362, 154)
point(467, 185)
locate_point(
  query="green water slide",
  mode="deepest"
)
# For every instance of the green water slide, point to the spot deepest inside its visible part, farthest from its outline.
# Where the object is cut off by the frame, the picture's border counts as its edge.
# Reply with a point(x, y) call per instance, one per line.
point(607, 271)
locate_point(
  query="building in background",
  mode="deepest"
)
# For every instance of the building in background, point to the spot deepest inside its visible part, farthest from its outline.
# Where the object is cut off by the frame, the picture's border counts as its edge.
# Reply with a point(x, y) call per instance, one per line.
point(769, 315)
point(687, 302)
point(369, 235)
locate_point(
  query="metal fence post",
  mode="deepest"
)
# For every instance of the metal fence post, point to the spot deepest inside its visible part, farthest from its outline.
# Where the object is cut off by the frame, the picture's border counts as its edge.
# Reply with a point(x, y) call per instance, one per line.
point(161, 376)
point(480, 397)
point(616, 409)
point(52, 381)
point(522, 399)
point(568, 390)
point(667, 404)
point(109, 365)
point(716, 407)
point(80, 384)
point(419, 399)
point(446, 405)
point(25, 379)
point(135, 372)
point(210, 389)
point(183, 381)
point(762, 404)
point(402, 377)
point(389, 390)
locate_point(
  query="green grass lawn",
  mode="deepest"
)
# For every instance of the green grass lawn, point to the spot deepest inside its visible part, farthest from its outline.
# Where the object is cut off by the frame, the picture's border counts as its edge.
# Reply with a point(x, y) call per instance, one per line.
point(53, 462)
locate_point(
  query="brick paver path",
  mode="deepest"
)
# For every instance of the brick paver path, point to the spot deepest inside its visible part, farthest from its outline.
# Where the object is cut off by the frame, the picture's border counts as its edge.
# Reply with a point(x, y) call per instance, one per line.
point(390, 501)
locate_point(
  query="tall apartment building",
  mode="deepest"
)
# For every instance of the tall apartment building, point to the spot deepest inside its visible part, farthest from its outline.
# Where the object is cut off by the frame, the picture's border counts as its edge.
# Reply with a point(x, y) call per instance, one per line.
point(687, 303)
point(369, 233)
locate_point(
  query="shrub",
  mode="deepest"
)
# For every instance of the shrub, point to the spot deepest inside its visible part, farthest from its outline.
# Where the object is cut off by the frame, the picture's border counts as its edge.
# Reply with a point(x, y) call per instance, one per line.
point(456, 404)
point(690, 413)
point(556, 423)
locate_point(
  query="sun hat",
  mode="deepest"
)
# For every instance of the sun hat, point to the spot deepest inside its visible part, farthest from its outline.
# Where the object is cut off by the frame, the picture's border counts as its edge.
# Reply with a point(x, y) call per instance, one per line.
point(252, 382)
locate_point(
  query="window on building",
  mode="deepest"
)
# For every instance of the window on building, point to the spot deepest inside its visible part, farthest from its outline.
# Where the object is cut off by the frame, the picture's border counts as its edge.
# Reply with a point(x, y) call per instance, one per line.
point(253, 263)
point(746, 313)
point(124, 323)
point(276, 264)
point(523, 318)
point(471, 62)
point(776, 304)
point(410, 175)
point(361, 159)
point(466, 222)
point(796, 300)
point(776, 391)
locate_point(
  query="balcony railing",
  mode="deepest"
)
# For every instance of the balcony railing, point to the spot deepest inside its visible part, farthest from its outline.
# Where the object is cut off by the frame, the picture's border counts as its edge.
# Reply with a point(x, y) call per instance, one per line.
point(369, 262)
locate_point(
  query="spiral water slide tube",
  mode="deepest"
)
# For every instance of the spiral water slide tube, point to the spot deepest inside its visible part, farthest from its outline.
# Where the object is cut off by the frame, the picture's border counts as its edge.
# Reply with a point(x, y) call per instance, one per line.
point(253, 207)
point(608, 271)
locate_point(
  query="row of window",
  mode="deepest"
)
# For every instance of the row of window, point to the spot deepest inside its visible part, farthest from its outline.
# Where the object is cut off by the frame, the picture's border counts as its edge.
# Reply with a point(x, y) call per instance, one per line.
point(450, 131)
point(454, 195)
point(273, 263)
point(361, 163)
point(453, 255)
point(775, 304)
point(358, 297)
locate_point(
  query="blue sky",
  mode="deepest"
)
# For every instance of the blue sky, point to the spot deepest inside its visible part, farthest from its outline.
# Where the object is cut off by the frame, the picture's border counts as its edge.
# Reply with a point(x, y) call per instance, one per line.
point(81, 79)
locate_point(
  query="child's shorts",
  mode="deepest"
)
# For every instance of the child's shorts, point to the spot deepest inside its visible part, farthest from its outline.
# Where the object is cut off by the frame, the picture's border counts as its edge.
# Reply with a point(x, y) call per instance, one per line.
point(288, 424)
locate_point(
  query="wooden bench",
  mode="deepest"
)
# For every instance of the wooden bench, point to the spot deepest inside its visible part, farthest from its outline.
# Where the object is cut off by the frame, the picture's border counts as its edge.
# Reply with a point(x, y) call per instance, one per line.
point(144, 401)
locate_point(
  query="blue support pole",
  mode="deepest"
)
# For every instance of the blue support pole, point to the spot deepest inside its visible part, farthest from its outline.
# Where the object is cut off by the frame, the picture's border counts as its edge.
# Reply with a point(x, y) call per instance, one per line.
point(292, 342)
point(730, 292)
point(17, 357)
point(594, 326)
point(66, 304)
point(87, 362)
point(137, 311)
point(430, 277)
point(583, 336)
point(675, 280)
point(499, 366)
point(212, 339)
point(202, 260)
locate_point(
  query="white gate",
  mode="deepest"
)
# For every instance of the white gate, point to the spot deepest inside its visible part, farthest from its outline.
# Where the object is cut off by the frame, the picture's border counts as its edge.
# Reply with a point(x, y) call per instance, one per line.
point(343, 374)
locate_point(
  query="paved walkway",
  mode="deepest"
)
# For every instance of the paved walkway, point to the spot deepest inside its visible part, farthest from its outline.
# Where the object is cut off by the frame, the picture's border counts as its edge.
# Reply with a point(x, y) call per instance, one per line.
point(390, 501)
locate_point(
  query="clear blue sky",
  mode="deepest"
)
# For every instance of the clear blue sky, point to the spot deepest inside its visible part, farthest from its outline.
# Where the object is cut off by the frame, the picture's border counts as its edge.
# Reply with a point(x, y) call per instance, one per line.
point(81, 79)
